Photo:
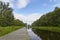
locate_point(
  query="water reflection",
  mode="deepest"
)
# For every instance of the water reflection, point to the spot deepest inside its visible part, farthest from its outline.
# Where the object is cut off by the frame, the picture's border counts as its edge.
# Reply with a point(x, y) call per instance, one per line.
point(33, 36)
point(47, 35)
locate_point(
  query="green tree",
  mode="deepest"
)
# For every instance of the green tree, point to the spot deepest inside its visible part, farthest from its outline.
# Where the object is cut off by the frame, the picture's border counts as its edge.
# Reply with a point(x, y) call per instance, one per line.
point(6, 16)
point(17, 22)
point(49, 19)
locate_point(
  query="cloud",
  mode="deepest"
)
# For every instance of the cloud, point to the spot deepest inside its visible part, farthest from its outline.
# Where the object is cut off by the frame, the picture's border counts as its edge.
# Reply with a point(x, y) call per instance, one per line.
point(20, 17)
point(11, 4)
point(17, 3)
point(56, 5)
point(5, 0)
point(28, 19)
point(33, 17)
point(22, 3)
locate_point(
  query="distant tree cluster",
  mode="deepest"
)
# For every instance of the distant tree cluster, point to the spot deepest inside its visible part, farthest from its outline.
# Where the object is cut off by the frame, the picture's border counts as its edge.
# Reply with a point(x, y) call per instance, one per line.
point(17, 22)
point(49, 19)
point(6, 16)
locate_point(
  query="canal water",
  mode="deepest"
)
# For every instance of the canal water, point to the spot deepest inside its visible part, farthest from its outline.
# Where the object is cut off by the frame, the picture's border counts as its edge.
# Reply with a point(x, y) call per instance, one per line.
point(32, 35)
point(47, 35)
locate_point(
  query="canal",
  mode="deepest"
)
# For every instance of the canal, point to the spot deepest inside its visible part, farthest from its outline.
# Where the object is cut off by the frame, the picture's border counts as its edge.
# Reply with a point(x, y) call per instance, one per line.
point(32, 35)
point(38, 34)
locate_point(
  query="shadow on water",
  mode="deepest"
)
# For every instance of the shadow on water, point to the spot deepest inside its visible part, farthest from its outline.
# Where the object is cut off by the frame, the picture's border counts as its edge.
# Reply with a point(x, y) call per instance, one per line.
point(32, 35)
point(47, 35)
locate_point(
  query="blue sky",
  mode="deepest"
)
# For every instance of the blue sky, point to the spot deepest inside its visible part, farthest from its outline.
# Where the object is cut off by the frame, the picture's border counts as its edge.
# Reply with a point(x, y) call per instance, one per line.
point(38, 6)
point(29, 11)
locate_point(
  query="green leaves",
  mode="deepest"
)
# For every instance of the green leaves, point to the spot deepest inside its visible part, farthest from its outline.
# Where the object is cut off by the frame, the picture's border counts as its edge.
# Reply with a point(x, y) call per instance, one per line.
point(6, 16)
point(49, 19)
point(18, 23)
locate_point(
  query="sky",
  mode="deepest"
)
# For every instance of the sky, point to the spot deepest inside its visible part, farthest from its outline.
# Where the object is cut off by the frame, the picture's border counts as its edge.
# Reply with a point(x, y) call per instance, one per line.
point(29, 11)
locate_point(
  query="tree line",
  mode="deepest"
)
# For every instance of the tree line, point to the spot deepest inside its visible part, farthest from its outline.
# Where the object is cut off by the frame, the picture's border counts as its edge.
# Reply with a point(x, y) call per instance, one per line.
point(7, 17)
point(49, 19)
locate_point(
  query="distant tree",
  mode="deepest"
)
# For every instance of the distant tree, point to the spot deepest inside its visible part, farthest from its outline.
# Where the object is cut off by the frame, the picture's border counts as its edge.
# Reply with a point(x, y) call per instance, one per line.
point(17, 22)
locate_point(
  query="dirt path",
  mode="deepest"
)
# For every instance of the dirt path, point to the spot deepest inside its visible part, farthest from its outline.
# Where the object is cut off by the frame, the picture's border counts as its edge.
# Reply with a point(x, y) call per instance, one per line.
point(20, 34)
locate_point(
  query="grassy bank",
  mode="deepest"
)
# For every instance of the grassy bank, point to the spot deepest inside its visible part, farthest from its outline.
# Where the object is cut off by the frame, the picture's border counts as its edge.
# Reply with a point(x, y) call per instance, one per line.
point(6, 30)
point(53, 29)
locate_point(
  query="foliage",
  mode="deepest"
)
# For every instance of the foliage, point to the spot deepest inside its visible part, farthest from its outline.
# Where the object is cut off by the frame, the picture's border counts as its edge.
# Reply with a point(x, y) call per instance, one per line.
point(7, 17)
point(49, 19)
point(18, 23)
point(49, 28)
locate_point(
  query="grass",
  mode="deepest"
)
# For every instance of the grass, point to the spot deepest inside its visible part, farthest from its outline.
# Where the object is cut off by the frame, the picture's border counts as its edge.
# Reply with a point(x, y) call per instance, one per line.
point(53, 29)
point(47, 33)
point(6, 30)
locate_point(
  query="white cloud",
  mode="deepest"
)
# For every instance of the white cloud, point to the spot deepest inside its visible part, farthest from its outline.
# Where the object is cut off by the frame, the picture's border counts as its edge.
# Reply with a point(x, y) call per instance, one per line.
point(18, 4)
point(20, 17)
point(22, 3)
point(33, 17)
point(11, 4)
point(5, 0)
point(28, 19)
point(56, 5)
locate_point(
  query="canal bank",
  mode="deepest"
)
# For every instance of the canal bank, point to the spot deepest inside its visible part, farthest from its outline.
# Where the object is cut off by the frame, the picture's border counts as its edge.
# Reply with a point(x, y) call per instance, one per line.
point(20, 34)
point(47, 35)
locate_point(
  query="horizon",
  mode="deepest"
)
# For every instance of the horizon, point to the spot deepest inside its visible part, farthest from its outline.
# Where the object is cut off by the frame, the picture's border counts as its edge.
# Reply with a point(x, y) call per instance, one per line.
point(29, 11)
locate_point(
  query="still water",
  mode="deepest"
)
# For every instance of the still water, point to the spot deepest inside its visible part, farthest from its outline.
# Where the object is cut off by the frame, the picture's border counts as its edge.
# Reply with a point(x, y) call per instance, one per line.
point(47, 35)
point(32, 35)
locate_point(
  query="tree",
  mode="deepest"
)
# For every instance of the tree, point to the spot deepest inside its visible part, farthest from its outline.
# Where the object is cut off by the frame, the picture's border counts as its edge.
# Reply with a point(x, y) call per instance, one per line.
point(49, 19)
point(17, 22)
point(6, 16)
